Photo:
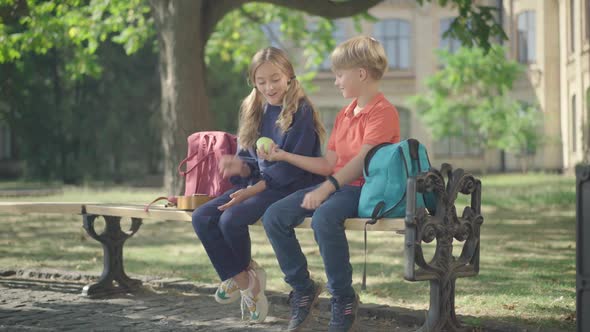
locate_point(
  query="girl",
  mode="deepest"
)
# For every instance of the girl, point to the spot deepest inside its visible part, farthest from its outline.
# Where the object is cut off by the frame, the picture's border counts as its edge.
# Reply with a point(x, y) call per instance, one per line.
point(276, 108)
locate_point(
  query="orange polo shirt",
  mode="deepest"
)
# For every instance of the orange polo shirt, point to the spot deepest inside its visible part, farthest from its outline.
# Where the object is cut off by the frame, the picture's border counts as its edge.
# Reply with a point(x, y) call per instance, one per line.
point(377, 123)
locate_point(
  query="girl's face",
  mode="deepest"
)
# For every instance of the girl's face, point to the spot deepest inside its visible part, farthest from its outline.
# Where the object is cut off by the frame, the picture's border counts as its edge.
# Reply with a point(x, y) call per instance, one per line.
point(271, 82)
point(349, 82)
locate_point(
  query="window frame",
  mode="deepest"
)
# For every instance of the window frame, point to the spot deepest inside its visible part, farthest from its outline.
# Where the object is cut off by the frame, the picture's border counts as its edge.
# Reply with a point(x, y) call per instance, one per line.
point(380, 34)
point(531, 43)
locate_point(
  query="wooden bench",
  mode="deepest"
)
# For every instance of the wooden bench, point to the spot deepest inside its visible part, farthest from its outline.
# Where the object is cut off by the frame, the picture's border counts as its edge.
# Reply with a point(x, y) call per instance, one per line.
point(418, 227)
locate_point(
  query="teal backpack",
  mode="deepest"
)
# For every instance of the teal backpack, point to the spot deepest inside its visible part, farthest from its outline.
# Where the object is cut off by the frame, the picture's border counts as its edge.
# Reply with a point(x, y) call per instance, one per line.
point(387, 168)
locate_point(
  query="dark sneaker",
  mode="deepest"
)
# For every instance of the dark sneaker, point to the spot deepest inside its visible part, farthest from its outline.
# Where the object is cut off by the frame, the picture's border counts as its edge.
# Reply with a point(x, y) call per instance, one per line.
point(301, 305)
point(344, 311)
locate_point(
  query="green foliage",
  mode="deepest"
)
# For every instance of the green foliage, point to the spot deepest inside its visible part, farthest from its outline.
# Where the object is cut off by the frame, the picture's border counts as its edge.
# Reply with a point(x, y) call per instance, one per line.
point(88, 110)
point(67, 85)
point(226, 89)
point(244, 31)
point(37, 27)
point(469, 96)
point(474, 26)
point(92, 128)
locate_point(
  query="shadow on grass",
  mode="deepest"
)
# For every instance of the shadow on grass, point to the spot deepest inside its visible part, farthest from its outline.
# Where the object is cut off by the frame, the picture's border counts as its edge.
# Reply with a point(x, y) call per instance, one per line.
point(527, 254)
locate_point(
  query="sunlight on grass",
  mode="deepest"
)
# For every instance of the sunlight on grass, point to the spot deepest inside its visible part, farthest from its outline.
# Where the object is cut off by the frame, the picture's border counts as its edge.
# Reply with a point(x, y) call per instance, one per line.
point(527, 253)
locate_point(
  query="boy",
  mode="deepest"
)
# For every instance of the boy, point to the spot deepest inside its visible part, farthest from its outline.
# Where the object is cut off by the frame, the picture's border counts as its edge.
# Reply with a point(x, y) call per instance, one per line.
point(359, 64)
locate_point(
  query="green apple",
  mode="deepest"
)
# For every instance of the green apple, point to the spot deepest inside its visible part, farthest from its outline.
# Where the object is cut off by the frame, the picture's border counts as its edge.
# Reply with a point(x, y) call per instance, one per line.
point(264, 143)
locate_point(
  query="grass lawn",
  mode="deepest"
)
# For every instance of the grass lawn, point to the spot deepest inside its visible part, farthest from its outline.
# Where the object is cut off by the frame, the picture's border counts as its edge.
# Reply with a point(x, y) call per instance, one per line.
point(527, 272)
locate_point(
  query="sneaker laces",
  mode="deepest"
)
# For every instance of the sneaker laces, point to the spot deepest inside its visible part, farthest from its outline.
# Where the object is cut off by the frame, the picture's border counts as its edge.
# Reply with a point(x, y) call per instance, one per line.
point(298, 300)
point(247, 297)
point(340, 308)
point(242, 307)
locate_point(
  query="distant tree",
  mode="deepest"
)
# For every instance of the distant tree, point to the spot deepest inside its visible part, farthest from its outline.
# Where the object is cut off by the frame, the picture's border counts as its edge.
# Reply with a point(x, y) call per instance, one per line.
point(185, 29)
point(469, 98)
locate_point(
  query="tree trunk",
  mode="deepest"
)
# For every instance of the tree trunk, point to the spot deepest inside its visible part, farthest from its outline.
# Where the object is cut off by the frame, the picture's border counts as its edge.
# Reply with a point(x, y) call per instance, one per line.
point(182, 74)
point(184, 26)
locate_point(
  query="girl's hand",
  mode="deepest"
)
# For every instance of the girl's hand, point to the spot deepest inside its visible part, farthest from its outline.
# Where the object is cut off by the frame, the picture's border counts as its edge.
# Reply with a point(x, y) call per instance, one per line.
point(275, 154)
point(314, 199)
point(237, 197)
point(230, 165)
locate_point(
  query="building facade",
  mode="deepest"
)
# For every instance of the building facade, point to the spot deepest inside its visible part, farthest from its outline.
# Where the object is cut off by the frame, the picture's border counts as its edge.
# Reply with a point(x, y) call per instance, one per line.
point(550, 37)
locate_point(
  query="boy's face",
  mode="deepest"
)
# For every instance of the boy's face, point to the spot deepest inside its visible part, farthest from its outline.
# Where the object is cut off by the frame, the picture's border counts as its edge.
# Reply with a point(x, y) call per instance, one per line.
point(271, 82)
point(349, 82)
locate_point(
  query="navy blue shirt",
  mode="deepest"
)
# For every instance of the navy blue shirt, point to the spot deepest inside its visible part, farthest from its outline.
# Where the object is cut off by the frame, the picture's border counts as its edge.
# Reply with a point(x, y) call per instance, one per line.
point(301, 138)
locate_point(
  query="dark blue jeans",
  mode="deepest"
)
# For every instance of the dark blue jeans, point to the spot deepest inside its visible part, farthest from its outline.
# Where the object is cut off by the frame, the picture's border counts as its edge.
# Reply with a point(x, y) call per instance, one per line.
point(225, 234)
point(327, 223)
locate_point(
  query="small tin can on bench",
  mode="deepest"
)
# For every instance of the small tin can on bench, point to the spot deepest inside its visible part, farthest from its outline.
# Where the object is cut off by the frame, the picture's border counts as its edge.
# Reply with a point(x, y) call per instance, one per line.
point(191, 202)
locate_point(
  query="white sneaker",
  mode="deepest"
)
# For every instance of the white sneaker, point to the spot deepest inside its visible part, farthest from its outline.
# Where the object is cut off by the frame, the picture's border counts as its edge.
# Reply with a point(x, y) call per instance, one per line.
point(260, 273)
point(256, 306)
point(227, 292)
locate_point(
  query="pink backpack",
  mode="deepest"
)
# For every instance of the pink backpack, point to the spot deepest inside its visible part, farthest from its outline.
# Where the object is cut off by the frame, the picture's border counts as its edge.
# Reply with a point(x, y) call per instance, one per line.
point(202, 176)
point(204, 151)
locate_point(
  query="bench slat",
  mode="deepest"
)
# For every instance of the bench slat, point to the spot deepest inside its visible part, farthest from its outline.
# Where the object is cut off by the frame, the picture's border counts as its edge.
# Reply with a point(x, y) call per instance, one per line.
point(40, 207)
point(134, 211)
point(161, 213)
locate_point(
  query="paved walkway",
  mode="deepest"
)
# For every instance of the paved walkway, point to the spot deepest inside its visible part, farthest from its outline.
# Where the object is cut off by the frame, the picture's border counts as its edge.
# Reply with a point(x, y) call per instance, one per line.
point(48, 305)
point(50, 300)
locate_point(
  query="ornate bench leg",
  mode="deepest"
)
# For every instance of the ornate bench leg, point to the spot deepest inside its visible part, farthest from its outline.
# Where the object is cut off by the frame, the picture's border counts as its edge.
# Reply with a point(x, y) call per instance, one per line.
point(112, 240)
point(444, 226)
point(441, 313)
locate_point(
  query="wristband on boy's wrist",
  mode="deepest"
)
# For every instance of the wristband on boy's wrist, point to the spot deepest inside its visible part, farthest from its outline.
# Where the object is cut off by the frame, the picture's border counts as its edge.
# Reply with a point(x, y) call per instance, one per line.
point(334, 182)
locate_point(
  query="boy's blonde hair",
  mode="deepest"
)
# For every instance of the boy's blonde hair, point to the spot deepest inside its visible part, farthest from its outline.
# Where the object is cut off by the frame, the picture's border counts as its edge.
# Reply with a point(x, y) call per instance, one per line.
point(252, 107)
point(361, 52)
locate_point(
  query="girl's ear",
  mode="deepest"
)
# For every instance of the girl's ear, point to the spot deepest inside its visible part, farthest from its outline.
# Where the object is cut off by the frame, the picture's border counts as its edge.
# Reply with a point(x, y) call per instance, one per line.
point(291, 79)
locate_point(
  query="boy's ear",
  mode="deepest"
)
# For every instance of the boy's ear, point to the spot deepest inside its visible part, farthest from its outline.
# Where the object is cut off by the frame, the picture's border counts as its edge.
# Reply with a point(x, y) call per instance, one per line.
point(363, 74)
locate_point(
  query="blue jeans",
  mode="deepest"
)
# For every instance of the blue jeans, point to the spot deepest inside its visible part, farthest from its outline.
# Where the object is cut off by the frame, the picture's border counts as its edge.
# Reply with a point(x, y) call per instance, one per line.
point(327, 223)
point(225, 235)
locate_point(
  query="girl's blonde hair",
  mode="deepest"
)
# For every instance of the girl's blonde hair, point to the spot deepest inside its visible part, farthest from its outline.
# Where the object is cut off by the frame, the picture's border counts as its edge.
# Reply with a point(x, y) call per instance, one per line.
point(252, 107)
point(361, 52)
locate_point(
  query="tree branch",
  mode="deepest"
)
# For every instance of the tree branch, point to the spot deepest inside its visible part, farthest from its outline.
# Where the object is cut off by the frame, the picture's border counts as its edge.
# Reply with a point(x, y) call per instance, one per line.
point(214, 10)
point(327, 8)
point(269, 31)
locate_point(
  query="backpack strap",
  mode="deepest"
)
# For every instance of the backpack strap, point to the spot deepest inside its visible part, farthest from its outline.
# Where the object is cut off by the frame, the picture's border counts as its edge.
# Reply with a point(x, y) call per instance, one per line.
point(372, 221)
point(377, 214)
point(414, 147)
point(171, 200)
point(203, 158)
point(209, 152)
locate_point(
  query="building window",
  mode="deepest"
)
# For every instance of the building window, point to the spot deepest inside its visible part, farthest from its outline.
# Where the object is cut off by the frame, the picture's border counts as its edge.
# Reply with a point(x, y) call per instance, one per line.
point(405, 124)
point(395, 35)
point(572, 26)
point(462, 146)
point(273, 33)
point(526, 37)
point(449, 43)
point(457, 147)
point(574, 125)
point(339, 34)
